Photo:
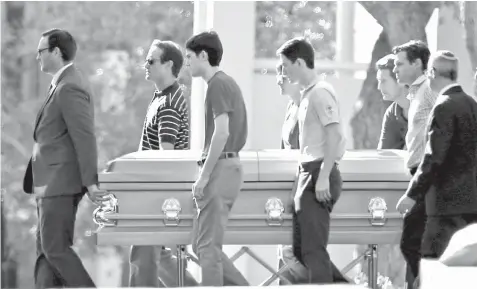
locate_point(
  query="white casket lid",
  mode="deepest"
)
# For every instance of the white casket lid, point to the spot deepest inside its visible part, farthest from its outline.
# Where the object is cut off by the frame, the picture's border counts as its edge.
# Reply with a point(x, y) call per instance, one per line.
point(156, 166)
point(263, 166)
point(356, 165)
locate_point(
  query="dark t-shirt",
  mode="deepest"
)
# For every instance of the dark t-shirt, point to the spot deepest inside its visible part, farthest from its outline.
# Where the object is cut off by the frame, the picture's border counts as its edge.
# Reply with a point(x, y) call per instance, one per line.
point(224, 96)
point(393, 129)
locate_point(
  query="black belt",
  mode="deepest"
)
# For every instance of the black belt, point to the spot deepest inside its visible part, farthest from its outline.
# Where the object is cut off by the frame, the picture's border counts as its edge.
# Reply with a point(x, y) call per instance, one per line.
point(223, 155)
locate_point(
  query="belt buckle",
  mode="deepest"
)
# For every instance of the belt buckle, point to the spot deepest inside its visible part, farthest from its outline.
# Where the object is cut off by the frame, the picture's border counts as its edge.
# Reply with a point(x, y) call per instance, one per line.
point(229, 155)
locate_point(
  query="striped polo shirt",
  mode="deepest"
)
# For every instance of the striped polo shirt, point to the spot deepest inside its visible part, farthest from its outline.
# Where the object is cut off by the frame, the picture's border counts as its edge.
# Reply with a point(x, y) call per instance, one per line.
point(166, 120)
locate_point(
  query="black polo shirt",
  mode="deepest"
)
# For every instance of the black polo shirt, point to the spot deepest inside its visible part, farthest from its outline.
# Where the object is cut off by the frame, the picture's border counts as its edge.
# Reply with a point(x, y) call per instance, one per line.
point(393, 129)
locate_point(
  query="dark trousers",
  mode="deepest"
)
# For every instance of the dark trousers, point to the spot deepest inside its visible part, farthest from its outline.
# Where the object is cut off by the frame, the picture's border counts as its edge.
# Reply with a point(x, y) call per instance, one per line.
point(57, 264)
point(311, 225)
point(411, 238)
point(297, 273)
point(439, 230)
point(413, 229)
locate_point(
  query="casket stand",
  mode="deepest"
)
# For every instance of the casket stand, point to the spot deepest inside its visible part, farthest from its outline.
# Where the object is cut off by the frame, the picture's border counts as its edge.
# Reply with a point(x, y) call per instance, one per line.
point(150, 202)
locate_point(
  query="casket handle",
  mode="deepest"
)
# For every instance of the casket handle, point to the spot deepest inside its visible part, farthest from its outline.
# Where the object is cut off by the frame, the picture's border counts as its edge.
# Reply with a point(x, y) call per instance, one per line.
point(171, 209)
point(377, 208)
point(274, 209)
point(107, 207)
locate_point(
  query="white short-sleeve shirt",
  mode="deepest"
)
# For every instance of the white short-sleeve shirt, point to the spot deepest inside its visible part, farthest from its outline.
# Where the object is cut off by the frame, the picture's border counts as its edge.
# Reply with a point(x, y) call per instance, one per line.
point(319, 107)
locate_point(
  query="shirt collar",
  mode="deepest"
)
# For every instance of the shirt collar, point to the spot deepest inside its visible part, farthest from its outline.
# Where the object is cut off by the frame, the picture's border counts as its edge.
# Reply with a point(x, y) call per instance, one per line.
point(419, 80)
point(167, 90)
point(217, 72)
point(415, 86)
point(447, 87)
point(310, 86)
point(54, 80)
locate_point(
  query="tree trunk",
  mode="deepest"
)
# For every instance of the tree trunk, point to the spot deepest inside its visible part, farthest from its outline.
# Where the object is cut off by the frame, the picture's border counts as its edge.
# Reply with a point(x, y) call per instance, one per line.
point(14, 14)
point(401, 22)
point(470, 24)
point(12, 20)
point(366, 123)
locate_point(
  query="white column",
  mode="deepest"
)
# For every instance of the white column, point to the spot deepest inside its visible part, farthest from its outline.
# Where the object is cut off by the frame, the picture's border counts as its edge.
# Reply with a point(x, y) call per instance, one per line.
point(202, 21)
point(345, 32)
point(238, 40)
point(450, 36)
point(341, 255)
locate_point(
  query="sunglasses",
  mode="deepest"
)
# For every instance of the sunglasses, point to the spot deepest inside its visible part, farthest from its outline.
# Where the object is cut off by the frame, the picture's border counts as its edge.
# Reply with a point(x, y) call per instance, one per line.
point(151, 61)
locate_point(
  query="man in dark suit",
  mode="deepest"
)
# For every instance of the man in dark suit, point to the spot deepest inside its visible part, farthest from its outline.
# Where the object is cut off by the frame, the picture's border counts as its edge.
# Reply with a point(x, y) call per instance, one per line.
point(446, 176)
point(63, 166)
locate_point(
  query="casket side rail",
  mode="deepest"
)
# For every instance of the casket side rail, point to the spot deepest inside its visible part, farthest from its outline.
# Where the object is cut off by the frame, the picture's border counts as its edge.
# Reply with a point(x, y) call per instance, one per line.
point(273, 226)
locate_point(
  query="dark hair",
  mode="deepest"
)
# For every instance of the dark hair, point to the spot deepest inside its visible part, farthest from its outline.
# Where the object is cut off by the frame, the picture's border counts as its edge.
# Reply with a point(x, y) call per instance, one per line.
point(296, 48)
point(64, 41)
point(387, 63)
point(209, 42)
point(171, 51)
point(415, 49)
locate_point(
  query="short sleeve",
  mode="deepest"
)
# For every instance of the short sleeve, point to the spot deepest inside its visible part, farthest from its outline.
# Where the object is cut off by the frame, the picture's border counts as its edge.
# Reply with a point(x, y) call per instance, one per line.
point(219, 98)
point(169, 121)
point(326, 106)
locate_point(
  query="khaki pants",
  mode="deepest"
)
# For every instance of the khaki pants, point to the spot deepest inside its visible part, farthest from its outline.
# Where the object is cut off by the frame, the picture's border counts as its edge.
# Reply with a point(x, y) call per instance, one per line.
point(209, 227)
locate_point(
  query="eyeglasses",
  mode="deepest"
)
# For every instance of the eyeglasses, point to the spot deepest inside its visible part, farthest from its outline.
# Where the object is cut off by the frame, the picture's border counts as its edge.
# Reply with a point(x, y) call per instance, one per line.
point(151, 61)
point(39, 51)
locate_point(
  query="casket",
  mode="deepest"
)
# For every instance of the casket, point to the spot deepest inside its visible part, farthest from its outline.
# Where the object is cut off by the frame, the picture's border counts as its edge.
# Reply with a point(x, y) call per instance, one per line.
point(151, 203)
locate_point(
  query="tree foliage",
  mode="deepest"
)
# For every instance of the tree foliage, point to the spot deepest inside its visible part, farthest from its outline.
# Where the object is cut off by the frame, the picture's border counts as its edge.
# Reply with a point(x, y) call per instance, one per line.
point(276, 22)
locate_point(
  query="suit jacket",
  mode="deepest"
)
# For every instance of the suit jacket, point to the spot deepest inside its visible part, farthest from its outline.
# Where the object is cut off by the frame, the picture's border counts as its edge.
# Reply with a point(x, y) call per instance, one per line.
point(446, 176)
point(64, 159)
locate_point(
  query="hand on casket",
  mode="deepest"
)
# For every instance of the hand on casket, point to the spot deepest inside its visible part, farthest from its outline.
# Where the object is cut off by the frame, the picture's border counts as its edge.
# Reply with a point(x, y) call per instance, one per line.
point(96, 195)
point(405, 204)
